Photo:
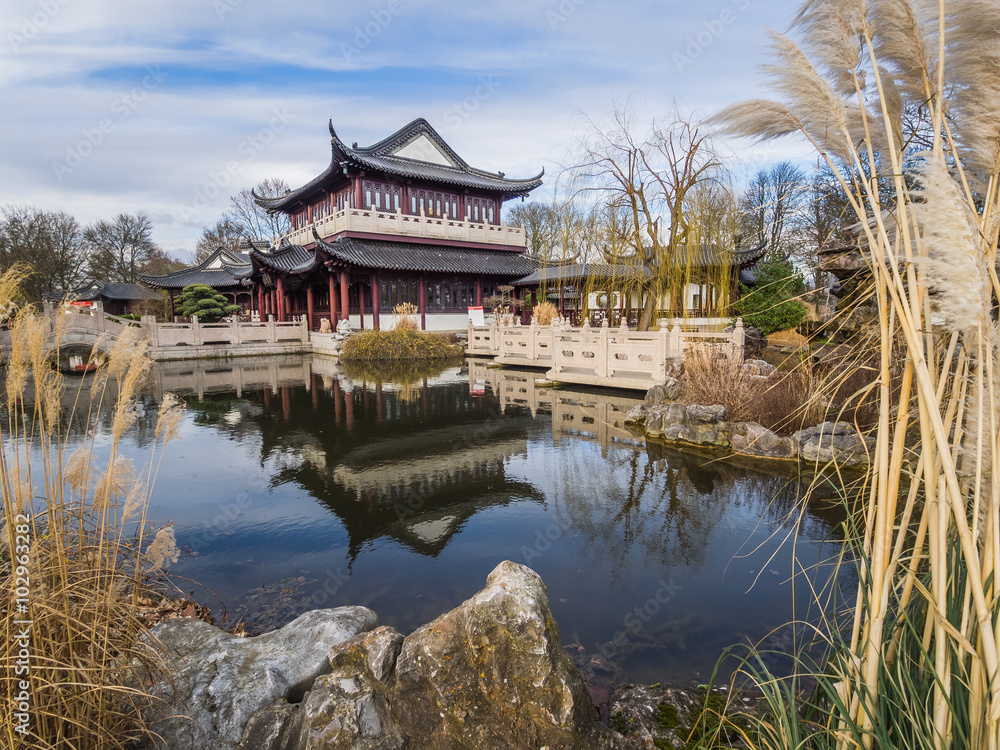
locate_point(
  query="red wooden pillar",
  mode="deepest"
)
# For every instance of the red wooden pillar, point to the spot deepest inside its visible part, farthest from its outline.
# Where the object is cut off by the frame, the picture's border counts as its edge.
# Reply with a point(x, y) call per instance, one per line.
point(361, 304)
point(281, 300)
point(479, 292)
point(310, 307)
point(376, 302)
point(358, 196)
point(260, 300)
point(345, 310)
point(333, 303)
point(423, 303)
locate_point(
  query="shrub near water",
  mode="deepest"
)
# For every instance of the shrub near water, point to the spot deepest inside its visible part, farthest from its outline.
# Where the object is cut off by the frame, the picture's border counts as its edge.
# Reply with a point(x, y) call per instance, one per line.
point(398, 344)
point(74, 550)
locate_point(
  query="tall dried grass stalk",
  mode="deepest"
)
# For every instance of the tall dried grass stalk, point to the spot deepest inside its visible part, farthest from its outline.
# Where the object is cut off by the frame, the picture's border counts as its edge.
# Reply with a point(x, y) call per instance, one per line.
point(868, 78)
point(87, 556)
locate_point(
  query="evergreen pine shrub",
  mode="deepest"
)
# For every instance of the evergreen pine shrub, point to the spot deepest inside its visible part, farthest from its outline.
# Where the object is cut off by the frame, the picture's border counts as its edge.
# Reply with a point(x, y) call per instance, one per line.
point(205, 302)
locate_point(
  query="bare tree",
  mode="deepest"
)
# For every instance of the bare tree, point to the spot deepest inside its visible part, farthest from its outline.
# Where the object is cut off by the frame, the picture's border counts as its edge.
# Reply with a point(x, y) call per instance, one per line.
point(822, 222)
point(538, 220)
point(253, 222)
point(771, 205)
point(225, 234)
point(120, 249)
point(50, 242)
point(650, 178)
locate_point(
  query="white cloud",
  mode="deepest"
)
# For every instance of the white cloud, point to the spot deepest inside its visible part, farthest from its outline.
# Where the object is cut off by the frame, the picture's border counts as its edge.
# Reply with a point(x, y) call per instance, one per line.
point(79, 79)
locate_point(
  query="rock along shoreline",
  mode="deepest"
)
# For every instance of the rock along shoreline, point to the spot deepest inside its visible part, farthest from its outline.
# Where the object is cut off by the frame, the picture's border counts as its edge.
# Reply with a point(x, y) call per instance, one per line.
point(670, 421)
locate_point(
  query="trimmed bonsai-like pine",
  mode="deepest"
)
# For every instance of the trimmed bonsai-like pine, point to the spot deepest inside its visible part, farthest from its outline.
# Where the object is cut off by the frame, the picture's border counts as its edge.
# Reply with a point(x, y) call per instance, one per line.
point(203, 301)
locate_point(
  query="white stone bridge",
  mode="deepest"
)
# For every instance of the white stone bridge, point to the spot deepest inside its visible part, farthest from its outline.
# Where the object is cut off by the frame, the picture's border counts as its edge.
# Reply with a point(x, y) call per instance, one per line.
point(85, 330)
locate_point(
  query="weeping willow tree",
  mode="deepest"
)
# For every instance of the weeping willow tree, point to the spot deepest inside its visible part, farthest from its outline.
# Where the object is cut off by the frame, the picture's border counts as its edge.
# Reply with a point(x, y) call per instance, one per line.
point(863, 81)
point(669, 219)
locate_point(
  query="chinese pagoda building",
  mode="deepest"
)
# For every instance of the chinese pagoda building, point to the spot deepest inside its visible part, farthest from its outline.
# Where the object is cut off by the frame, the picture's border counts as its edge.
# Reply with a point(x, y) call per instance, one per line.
point(405, 220)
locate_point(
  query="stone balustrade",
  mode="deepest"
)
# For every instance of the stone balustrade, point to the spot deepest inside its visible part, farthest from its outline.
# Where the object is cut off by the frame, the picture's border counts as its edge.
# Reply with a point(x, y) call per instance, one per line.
point(603, 356)
point(372, 221)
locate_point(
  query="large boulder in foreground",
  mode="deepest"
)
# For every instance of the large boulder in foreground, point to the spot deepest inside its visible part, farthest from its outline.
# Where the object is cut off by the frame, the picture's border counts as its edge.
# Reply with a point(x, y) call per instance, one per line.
point(218, 681)
point(348, 709)
point(492, 674)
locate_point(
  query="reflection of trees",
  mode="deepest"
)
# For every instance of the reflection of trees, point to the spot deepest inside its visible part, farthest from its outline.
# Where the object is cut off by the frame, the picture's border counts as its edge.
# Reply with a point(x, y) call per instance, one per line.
point(667, 503)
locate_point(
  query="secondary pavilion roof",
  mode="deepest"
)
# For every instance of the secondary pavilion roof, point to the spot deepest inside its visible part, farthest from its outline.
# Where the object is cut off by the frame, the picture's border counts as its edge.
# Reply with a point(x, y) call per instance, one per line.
point(415, 151)
point(392, 256)
point(703, 256)
point(106, 290)
point(223, 268)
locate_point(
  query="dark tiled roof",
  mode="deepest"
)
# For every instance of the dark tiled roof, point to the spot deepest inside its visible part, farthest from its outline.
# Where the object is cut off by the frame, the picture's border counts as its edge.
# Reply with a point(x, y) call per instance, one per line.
point(107, 290)
point(703, 256)
point(288, 259)
point(577, 271)
point(403, 256)
point(217, 278)
point(380, 157)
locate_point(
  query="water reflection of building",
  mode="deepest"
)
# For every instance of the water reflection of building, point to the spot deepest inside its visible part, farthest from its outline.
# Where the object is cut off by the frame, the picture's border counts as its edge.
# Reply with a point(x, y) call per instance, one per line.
point(576, 414)
point(411, 462)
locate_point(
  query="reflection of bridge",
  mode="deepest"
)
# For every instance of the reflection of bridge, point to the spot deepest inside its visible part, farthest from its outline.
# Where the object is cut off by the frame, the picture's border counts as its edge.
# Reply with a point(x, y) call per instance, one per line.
point(594, 416)
point(234, 374)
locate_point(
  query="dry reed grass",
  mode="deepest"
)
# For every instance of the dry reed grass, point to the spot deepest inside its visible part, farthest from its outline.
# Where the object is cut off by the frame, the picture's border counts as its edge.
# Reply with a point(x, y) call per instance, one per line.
point(75, 550)
point(403, 316)
point(544, 313)
point(919, 664)
point(783, 401)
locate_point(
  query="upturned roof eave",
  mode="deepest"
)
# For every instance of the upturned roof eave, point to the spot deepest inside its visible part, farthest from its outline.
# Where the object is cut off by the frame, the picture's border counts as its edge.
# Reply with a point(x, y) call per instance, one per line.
point(343, 155)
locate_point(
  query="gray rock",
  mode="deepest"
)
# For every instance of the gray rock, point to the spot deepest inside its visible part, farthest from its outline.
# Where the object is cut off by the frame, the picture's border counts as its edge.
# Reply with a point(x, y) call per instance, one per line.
point(669, 391)
point(268, 729)
point(637, 413)
point(658, 716)
point(758, 367)
point(377, 649)
point(218, 681)
point(706, 414)
point(654, 421)
point(699, 425)
point(752, 439)
point(492, 674)
point(836, 442)
point(347, 709)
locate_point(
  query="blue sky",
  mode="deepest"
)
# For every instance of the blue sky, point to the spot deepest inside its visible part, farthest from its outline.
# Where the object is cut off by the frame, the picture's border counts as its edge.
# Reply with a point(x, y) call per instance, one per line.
point(168, 108)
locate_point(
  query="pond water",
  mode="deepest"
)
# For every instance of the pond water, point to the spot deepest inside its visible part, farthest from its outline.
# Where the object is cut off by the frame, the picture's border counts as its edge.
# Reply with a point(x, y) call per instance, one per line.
point(298, 484)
